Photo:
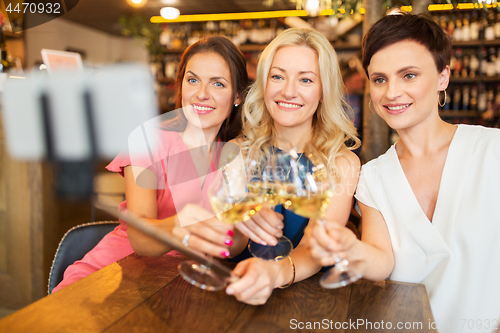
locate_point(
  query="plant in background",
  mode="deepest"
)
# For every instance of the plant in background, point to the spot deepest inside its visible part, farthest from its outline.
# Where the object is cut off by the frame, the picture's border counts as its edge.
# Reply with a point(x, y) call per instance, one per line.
point(140, 27)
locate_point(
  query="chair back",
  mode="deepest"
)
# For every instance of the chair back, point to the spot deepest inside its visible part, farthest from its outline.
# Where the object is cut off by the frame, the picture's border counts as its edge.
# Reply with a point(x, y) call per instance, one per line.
point(74, 245)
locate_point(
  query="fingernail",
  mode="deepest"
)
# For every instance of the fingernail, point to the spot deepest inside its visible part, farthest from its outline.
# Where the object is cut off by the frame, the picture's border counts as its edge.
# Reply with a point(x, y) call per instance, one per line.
point(280, 226)
point(263, 243)
point(225, 254)
point(228, 242)
point(273, 242)
point(230, 233)
point(229, 291)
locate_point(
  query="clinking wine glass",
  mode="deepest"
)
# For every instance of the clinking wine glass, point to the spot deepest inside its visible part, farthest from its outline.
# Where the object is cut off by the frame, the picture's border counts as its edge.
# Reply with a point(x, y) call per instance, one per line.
point(230, 207)
point(233, 201)
point(263, 181)
point(313, 186)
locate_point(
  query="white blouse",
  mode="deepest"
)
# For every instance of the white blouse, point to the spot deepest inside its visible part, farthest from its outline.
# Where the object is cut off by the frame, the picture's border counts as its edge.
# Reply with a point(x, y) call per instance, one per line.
point(457, 256)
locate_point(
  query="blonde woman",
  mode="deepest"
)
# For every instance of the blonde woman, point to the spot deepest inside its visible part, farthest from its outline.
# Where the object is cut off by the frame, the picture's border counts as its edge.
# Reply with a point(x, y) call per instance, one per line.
point(297, 98)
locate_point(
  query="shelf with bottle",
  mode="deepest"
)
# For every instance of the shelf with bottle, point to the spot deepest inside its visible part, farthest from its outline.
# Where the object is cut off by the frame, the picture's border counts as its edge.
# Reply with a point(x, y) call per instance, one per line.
point(469, 27)
point(249, 35)
point(474, 89)
point(471, 102)
point(475, 64)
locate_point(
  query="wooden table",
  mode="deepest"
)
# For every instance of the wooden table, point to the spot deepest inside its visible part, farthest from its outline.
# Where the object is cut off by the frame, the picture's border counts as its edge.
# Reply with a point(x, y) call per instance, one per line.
point(141, 294)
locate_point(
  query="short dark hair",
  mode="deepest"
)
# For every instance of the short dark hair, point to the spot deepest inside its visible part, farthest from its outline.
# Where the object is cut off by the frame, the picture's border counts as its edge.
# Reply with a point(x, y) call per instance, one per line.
point(231, 127)
point(404, 26)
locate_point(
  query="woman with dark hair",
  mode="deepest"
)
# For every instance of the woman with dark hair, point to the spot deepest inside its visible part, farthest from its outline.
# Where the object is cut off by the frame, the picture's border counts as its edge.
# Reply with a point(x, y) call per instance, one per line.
point(167, 185)
point(428, 204)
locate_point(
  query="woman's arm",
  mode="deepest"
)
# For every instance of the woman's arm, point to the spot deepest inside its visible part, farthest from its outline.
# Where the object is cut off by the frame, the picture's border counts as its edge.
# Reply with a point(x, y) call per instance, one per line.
point(207, 234)
point(348, 167)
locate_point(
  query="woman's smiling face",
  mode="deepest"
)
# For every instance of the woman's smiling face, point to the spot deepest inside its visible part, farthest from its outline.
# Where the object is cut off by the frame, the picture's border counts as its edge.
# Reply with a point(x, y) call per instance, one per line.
point(207, 94)
point(405, 84)
point(293, 89)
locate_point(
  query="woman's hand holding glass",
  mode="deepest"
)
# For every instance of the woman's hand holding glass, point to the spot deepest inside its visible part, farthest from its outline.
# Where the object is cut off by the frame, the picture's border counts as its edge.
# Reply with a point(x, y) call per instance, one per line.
point(199, 229)
point(315, 187)
point(329, 241)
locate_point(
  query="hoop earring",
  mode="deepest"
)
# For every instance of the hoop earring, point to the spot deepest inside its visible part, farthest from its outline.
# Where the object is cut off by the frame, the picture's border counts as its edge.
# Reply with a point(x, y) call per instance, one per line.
point(370, 106)
point(444, 100)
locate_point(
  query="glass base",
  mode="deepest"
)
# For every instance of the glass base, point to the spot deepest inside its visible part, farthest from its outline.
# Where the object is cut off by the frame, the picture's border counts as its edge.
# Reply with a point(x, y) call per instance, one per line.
point(201, 276)
point(269, 252)
point(337, 278)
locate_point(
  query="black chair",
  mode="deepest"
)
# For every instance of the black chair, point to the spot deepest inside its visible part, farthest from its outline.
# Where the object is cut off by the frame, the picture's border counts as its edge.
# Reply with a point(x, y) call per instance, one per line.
point(74, 245)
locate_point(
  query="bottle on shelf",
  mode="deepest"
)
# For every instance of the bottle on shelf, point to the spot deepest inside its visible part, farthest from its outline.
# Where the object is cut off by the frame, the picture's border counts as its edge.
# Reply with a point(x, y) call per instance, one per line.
point(473, 98)
point(492, 62)
point(457, 68)
point(473, 63)
point(465, 97)
point(483, 56)
point(489, 31)
point(466, 28)
point(482, 24)
point(457, 97)
point(490, 98)
point(457, 32)
point(465, 64)
point(497, 26)
point(474, 26)
point(482, 99)
point(450, 27)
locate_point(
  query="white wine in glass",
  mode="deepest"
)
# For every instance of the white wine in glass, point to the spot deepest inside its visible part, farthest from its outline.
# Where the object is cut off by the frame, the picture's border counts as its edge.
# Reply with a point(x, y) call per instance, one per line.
point(265, 184)
point(315, 186)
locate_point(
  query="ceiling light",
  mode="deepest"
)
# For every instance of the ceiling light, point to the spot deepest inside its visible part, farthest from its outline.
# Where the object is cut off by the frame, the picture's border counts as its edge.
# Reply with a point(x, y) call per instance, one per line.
point(169, 13)
point(312, 7)
point(137, 3)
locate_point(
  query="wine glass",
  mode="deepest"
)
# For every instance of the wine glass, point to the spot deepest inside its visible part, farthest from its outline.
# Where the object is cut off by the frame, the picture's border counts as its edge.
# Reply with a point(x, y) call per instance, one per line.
point(264, 181)
point(231, 205)
point(314, 185)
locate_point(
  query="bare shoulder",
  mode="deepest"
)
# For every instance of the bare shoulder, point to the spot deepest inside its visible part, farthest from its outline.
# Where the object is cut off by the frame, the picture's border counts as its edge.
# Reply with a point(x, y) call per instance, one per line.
point(348, 160)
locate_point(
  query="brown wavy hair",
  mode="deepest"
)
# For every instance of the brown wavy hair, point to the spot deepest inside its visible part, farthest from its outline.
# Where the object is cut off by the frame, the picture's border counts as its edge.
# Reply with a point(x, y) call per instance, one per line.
point(231, 127)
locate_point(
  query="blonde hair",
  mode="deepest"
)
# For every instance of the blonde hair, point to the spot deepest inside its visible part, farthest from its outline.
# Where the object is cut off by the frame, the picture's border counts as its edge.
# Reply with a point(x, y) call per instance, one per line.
point(331, 126)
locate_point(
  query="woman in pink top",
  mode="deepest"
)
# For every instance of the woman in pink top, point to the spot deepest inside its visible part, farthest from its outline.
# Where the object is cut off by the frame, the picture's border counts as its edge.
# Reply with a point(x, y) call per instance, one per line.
point(166, 187)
